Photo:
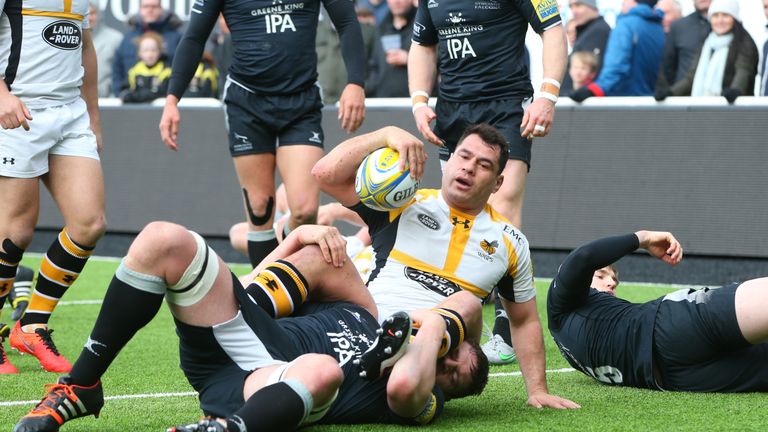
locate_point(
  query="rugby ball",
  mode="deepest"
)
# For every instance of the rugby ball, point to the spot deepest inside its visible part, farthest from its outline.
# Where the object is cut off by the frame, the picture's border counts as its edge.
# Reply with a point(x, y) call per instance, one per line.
point(380, 184)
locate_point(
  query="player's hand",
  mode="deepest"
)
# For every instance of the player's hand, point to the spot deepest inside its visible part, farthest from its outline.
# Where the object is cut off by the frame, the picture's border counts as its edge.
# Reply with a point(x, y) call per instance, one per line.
point(13, 112)
point(352, 107)
point(411, 149)
point(546, 400)
point(169, 123)
point(331, 242)
point(328, 213)
point(397, 57)
point(424, 116)
point(538, 118)
point(96, 129)
point(662, 245)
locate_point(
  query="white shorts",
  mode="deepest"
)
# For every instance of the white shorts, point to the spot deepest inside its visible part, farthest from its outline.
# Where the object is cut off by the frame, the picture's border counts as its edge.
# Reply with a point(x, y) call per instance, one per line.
point(61, 130)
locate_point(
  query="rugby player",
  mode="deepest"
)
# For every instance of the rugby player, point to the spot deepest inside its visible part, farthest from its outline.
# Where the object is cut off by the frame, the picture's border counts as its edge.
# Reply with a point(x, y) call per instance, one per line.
point(236, 355)
point(702, 340)
point(272, 102)
point(50, 133)
point(478, 50)
point(447, 240)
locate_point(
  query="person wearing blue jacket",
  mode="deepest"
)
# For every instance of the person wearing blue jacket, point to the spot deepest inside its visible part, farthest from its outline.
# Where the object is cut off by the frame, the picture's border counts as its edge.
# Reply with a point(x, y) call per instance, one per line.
point(633, 55)
point(151, 17)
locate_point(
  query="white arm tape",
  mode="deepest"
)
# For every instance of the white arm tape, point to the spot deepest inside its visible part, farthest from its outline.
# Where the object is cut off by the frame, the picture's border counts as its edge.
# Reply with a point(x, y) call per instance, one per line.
point(546, 95)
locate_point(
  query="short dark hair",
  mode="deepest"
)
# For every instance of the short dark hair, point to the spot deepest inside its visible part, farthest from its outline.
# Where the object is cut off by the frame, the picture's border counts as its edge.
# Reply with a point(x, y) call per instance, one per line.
point(479, 375)
point(491, 136)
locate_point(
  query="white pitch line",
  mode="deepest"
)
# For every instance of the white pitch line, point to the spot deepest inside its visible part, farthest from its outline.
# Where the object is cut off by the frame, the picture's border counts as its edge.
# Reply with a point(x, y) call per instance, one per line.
point(189, 394)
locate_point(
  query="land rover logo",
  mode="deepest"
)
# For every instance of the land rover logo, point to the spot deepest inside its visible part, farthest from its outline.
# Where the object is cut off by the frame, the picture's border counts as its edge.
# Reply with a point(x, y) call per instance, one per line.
point(63, 35)
point(428, 222)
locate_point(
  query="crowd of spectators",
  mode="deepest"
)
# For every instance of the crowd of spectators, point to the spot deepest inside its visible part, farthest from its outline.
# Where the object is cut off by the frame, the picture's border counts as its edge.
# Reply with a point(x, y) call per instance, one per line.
point(653, 50)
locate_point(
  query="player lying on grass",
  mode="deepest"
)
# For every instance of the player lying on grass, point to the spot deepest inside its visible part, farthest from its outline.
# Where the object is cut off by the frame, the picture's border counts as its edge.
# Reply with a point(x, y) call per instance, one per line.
point(236, 355)
point(707, 340)
point(448, 240)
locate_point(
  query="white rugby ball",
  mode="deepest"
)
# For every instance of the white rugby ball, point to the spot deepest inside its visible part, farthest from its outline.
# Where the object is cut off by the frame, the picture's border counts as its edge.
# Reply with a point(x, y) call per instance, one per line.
point(380, 184)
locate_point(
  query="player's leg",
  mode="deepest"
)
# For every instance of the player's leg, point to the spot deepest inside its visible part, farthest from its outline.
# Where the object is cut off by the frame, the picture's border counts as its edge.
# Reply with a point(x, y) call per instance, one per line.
point(302, 192)
point(22, 291)
point(256, 173)
point(508, 200)
point(164, 259)
point(751, 314)
point(18, 216)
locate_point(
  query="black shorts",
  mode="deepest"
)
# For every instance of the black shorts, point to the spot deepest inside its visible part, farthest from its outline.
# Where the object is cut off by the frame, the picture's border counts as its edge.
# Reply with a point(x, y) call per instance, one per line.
point(698, 345)
point(506, 115)
point(258, 123)
point(217, 371)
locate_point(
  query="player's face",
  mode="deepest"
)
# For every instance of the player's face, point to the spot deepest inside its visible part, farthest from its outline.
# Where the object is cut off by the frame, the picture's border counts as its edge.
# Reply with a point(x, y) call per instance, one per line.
point(721, 23)
point(605, 280)
point(454, 371)
point(470, 175)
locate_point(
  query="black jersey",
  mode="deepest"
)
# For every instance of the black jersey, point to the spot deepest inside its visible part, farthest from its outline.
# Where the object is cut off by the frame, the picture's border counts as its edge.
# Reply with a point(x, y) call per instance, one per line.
point(605, 337)
point(273, 42)
point(481, 44)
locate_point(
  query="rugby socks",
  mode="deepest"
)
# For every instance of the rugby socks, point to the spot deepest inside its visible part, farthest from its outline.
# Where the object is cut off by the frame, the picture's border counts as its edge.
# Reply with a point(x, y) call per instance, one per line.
point(277, 407)
point(279, 289)
point(127, 307)
point(454, 332)
point(9, 264)
point(60, 268)
point(260, 244)
point(501, 324)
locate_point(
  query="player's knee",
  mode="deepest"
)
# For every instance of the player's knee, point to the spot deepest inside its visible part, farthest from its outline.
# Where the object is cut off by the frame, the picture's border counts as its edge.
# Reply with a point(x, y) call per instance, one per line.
point(88, 230)
point(158, 240)
point(259, 206)
point(303, 215)
point(324, 376)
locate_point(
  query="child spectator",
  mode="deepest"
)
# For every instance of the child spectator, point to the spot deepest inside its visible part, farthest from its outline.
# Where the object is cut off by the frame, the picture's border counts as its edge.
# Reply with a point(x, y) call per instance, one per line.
point(148, 78)
point(205, 82)
point(583, 69)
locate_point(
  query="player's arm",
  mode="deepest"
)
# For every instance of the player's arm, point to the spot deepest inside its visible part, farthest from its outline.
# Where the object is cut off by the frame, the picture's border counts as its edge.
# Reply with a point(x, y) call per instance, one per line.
point(335, 172)
point(352, 100)
point(422, 71)
point(89, 90)
point(555, 57)
point(410, 384)
point(327, 214)
point(13, 112)
point(468, 306)
point(202, 18)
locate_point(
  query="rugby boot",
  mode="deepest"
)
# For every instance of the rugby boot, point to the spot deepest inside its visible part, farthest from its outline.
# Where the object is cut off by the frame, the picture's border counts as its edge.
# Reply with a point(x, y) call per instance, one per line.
point(498, 351)
point(40, 345)
point(6, 368)
point(21, 292)
point(208, 424)
point(390, 344)
point(63, 402)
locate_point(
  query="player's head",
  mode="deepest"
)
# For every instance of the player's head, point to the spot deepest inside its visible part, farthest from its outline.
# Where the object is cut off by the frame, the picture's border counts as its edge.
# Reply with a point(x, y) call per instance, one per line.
point(473, 172)
point(606, 280)
point(463, 372)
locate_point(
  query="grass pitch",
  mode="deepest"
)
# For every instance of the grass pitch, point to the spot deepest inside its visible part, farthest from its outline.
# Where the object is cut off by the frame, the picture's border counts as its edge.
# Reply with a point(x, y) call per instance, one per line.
point(146, 390)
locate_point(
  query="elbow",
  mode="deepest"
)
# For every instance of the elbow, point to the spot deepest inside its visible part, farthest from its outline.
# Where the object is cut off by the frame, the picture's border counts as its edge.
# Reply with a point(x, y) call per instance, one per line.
point(403, 396)
point(322, 173)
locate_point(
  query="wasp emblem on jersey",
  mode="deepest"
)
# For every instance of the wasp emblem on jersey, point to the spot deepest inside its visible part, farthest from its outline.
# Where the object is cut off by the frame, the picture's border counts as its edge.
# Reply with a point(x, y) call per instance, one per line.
point(63, 35)
point(489, 247)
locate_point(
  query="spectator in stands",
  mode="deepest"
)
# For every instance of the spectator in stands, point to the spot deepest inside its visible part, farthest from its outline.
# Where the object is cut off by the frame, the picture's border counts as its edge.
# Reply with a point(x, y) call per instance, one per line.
point(583, 68)
point(151, 17)
point(148, 78)
point(331, 72)
point(591, 34)
point(764, 69)
point(222, 49)
point(682, 45)
point(105, 41)
point(727, 62)
point(378, 8)
point(387, 72)
point(672, 12)
point(633, 55)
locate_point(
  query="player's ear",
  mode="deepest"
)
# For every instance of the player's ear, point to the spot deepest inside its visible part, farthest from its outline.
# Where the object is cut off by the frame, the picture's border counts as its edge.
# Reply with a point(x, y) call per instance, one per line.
point(499, 181)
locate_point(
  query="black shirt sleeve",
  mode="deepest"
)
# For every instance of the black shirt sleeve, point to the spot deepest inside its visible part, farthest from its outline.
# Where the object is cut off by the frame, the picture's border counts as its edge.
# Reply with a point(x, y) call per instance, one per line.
point(190, 50)
point(342, 14)
point(571, 285)
point(376, 220)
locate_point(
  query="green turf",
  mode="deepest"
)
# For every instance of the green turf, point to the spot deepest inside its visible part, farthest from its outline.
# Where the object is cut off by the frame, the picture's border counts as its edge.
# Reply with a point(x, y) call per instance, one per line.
point(149, 364)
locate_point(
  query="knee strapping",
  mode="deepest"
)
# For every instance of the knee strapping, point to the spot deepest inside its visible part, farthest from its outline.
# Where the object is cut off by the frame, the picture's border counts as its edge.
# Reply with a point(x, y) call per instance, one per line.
point(279, 289)
point(198, 278)
point(255, 219)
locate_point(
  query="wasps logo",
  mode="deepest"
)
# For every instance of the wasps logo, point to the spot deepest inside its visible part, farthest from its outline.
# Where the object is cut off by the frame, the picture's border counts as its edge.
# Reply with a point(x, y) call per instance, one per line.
point(489, 247)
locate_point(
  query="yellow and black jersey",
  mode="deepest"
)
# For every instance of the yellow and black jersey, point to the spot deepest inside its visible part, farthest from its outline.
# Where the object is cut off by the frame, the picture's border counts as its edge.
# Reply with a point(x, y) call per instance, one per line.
point(426, 251)
point(41, 49)
point(147, 83)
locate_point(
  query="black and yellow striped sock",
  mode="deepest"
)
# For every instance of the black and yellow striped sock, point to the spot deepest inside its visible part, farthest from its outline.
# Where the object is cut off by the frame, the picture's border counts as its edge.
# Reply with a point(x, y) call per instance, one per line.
point(454, 332)
point(279, 289)
point(60, 268)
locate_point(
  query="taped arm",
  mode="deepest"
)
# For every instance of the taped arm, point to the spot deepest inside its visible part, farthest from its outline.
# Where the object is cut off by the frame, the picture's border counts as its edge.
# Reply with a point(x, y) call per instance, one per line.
point(202, 18)
point(342, 14)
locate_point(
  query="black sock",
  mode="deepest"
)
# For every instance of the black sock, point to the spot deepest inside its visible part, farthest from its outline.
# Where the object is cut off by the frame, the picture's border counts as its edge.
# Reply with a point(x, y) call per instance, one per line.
point(501, 323)
point(260, 244)
point(125, 310)
point(276, 407)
